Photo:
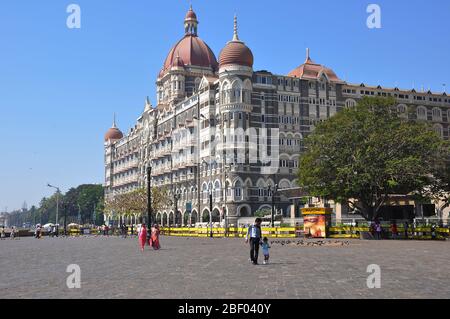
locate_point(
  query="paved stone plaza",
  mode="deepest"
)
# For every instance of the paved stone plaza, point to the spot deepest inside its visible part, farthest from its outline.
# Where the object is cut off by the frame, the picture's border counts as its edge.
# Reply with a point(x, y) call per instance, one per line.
point(219, 268)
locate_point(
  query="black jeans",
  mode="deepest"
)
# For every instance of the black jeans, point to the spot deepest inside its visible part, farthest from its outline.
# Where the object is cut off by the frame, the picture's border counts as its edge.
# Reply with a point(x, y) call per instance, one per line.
point(254, 249)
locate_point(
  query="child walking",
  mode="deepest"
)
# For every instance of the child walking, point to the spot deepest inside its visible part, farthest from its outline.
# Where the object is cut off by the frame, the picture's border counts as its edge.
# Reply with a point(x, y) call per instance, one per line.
point(265, 248)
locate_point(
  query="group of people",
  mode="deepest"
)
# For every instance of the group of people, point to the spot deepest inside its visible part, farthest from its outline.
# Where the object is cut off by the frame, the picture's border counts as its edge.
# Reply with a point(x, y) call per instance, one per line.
point(376, 229)
point(124, 230)
point(54, 231)
point(152, 238)
point(105, 230)
point(12, 234)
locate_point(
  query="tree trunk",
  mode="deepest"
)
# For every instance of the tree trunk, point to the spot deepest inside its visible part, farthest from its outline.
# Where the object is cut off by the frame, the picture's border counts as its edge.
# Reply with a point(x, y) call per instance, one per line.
point(367, 211)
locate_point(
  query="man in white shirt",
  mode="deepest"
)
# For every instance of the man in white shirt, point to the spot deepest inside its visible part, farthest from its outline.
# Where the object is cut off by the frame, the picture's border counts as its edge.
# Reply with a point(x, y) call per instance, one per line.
point(253, 236)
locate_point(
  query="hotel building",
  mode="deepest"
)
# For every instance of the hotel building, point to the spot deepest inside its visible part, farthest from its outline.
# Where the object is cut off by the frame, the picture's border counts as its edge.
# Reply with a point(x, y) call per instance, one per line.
point(185, 139)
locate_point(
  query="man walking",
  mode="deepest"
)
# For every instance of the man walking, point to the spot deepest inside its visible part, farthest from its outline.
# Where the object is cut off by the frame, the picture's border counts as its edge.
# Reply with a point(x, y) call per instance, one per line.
point(253, 236)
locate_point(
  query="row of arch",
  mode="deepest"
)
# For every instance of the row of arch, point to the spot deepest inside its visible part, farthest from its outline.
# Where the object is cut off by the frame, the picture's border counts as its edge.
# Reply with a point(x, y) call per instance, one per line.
point(235, 91)
point(421, 111)
point(238, 182)
point(185, 218)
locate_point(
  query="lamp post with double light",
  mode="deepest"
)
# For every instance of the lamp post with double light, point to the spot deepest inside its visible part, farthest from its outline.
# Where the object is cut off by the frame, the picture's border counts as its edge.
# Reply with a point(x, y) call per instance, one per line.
point(176, 198)
point(149, 202)
point(272, 193)
point(57, 201)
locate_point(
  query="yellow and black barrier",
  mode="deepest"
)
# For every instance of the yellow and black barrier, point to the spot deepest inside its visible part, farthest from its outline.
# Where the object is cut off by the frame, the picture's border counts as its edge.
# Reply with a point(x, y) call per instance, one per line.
point(417, 233)
point(335, 232)
point(237, 232)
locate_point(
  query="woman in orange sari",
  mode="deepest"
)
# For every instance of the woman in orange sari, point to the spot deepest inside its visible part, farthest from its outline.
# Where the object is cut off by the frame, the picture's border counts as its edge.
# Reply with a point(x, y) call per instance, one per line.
point(154, 240)
point(142, 236)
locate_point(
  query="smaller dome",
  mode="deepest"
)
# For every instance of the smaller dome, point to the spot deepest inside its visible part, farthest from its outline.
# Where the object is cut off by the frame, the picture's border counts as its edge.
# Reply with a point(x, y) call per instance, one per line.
point(190, 15)
point(236, 52)
point(178, 62)
point(113, 133)
point(312, 70)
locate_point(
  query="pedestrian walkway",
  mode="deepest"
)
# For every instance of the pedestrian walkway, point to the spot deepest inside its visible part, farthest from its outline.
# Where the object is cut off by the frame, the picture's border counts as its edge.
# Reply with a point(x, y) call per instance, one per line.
point(114, 267)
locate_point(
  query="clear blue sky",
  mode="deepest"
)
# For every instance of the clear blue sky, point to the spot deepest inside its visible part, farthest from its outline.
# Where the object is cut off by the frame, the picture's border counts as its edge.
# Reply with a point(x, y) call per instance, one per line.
point(60, 87)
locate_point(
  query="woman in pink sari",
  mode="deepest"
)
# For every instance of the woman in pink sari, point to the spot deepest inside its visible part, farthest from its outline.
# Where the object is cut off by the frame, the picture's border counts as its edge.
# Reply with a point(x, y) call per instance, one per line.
point(154, 240)
point(142, 236)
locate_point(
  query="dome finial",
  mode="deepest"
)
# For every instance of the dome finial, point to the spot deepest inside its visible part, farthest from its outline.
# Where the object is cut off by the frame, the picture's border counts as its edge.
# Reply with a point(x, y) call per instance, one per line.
point(235, 34)
point(114, 121)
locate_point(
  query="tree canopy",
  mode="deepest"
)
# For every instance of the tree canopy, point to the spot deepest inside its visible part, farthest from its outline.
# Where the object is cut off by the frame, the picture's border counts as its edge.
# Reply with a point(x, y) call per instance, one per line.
point(135, 202)
point(365, 153)
point(84, 200)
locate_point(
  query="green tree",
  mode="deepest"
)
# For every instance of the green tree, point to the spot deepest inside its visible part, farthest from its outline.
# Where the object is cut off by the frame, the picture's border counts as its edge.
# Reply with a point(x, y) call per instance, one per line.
point(47, 210)
point(89, 196)
point(83, 198)
point(439, 189)
point(263, 213)
point(365, 153)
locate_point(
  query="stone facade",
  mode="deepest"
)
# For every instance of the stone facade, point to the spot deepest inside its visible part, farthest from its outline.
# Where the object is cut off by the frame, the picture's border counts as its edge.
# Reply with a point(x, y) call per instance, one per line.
point(231, 132)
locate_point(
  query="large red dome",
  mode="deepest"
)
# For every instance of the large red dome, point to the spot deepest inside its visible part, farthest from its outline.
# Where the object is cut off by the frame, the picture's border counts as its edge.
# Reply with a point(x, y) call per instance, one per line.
point(192, 51)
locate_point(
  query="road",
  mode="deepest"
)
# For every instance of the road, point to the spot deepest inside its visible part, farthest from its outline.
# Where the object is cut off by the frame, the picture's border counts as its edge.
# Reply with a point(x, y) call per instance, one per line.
point(189, 268)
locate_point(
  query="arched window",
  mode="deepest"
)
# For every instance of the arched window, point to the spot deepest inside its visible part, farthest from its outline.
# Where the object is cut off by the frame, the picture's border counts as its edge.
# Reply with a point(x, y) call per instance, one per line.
point(350, 103)
point(284, 184)
point(402, 110)
point(439, 130)
point(217, 190)
point(225, 94)
point(422, 113)
point(238, 190)
point(236, 92)
point(261, 187)
point(437, 114)
point(205, 192)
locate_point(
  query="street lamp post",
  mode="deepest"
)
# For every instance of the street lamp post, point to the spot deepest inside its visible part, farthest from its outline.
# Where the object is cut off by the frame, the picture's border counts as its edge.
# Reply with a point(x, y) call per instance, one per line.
point(65, 219)
point(176, 197)
point(224, 166)
point(149, 197)
point(57, 201)
point(210, 196)
point(197, 118)
point(225, 210)
point(149, 203)
point(210, 211)
point(273, 193)
point(79, 214)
